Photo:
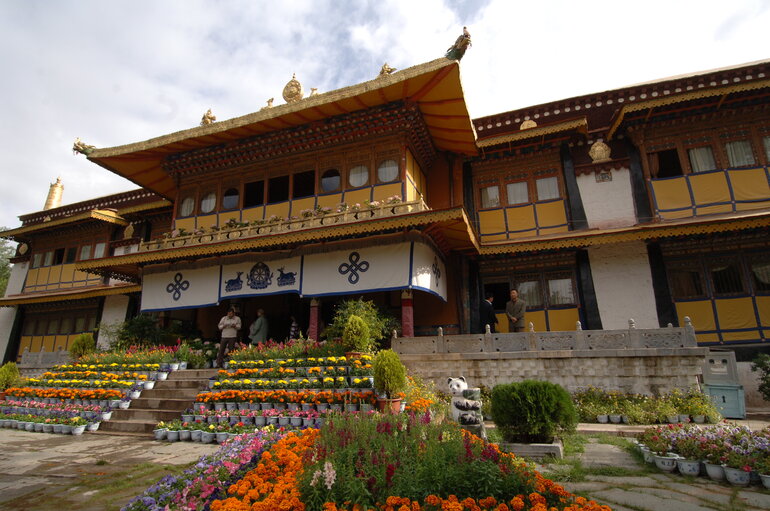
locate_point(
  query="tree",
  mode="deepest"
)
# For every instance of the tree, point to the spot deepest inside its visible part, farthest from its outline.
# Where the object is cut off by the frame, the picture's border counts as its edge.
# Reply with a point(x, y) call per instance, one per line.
point(7, 251)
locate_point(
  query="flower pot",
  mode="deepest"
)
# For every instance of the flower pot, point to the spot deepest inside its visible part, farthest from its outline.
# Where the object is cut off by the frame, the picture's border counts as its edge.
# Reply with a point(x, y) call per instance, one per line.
point(184, 435)
point(223, 420)
point(389, 405)
point(219, 406)
point(174, 366)
point(207, 437)
point(279, 406)
point(665, 463)
point(351, 407)
point(123, 405)
point(47, 428)
point(615, 419)
point(78, 430)
point(182, 365)
point(108, 415)
point(187, 417)
point(162, 375)
point(672, 419)
point(29, 426)
point(172, 436)
point(602, 419)
point(221, 437)
point(93, 426)
point(149, 384)
point(684, 419)
point(765, 480)
point(66, 429)
point(246, 419)
point(272, 420)
point(231, 406)
point(134, 394)
point(688, 467)
point(296, 421)
point(307, 422)
point(283, 421)
point(715, 472)
point(38, 427)
point(195, 435)
point(699, 419)
point(322, 406)
point(365, 407)
point(259, 421)
point(293, 406)
point(737, 477)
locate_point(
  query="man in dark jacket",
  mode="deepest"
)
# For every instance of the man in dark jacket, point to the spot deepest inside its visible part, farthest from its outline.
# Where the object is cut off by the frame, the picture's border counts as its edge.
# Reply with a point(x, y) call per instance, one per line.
point(487, 315)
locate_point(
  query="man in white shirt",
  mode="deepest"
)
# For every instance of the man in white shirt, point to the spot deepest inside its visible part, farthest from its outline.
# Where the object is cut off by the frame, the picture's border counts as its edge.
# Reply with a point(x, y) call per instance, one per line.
point(229, 326)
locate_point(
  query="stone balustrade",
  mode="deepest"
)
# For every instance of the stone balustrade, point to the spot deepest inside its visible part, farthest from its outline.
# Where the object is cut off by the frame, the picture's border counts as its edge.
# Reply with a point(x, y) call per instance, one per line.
point(284, 225)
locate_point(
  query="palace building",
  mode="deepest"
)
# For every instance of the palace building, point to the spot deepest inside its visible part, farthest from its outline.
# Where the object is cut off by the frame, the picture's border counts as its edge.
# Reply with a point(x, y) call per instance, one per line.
point(649, 202)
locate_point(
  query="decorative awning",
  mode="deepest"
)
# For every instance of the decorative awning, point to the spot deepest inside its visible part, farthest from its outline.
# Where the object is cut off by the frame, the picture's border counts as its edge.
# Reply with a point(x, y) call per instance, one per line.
point(434, 87)
point(406, 265)
point(69, 295)
point(668, 229)
point(103, 215)
point(580, 125)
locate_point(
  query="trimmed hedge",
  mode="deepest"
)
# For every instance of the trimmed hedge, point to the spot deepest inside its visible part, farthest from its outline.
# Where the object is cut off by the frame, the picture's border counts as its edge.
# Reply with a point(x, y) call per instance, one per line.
point(532, 411)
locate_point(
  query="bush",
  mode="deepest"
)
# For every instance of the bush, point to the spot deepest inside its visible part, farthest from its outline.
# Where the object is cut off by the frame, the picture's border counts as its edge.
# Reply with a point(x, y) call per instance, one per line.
point(380, 324)
point(357, 336)
point(532, 411)
point(9, 376)
point(389, 373)
point(83, 344)
point(762, 364)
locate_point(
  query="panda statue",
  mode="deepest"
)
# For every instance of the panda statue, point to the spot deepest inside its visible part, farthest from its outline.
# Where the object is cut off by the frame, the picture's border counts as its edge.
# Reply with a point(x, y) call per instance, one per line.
point(466, 406)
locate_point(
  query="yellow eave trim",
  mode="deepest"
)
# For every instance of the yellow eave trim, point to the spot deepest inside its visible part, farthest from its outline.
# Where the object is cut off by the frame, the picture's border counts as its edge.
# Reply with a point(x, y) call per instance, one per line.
point(679, 98)
point(620, 235)
point(534, 132)
point(320, 233)
point(74, 295)
point(145, 207)
point(95, 214)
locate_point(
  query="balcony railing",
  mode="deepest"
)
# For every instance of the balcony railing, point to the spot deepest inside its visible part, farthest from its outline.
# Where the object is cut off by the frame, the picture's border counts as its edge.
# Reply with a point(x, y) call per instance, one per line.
point(284, 225)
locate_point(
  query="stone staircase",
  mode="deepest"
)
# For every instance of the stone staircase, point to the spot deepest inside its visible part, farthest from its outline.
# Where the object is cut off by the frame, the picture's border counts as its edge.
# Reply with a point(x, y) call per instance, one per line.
point(166, 401)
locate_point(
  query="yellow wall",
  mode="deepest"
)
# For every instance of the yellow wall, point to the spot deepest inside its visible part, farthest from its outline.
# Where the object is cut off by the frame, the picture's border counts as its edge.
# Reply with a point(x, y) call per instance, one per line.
point(61, 276)
point(523, 221)
point(736, 318)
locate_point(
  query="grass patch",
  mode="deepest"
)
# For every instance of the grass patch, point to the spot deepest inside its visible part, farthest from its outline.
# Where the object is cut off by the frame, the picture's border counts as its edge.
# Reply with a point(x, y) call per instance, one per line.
point(617, 441)
point(574, 443)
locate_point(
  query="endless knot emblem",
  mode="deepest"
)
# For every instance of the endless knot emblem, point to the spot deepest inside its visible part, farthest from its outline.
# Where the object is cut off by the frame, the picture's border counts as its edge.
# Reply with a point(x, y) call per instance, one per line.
point(176, 287)
point(354, 267)
point(436, 270)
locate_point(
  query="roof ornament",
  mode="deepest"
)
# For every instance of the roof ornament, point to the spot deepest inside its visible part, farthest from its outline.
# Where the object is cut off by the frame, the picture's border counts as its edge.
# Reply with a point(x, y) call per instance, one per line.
point(313, 91)
point(386, 70)
point(208, 118)
point(293, 90)
point(457, 50)
point(81, 147)
point(599, 152)
point(529, 123)
point(269, 104)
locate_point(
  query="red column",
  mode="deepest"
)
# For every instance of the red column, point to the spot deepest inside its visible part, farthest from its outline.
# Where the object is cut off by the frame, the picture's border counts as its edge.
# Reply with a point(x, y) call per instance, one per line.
point(407, 314)
point(312, 329)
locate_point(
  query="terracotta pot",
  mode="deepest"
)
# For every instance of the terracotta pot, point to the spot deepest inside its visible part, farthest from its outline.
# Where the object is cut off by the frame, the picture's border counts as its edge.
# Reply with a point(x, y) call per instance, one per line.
point(389, 405)
point(2, 396)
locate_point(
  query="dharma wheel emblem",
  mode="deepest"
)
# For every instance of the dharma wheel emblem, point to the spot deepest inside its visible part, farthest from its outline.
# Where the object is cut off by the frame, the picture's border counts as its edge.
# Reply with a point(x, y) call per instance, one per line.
point(177, 286)
point(293, 90)
point(354, 267)
point(260, 276)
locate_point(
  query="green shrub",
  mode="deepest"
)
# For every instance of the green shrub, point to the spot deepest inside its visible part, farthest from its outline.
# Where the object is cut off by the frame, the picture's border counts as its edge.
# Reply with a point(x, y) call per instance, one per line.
point(357, 336)
point(380, 324)
point(762, 364)
point(389, 373)
point(83, 344)
point(9, 376)
point(532, 411)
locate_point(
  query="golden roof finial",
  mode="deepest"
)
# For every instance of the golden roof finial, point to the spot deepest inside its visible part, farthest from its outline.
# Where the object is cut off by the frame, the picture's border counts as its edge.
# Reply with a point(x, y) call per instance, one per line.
point(293, 90)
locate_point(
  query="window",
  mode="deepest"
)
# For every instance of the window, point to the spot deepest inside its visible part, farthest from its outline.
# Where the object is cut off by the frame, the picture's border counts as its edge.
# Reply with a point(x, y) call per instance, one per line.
point(208, 202)
point(686, 279)
point(665, 164)
point(387, 171)
point(91, 323)
point(40, 327)
point(58, 256)
point(490, 197)
point(530, 292)
point(99, 250)
point(80, 324)
point(85, 252)
point(66, 325)
point(72, 253)
point(358, 176)
point(518, 193)
point(187, 206)
point(701, 159)
point(278, 189)
point(560, 292)
point(330, 180)
point(760, 275)
point(29, 328)
point(253, 194)
point(48, 258)
point(766, 143)
point(36, 260)
point(501, 292)
point(230, 198)
point(726, 277)
point(304, 184)
point(739, 153)
point(53, 327)
point(547, 188)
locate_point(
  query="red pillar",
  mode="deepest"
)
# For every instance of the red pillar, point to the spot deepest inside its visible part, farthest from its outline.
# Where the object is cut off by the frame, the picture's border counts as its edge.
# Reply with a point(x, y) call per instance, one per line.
point(407, 314)
point(312, 329)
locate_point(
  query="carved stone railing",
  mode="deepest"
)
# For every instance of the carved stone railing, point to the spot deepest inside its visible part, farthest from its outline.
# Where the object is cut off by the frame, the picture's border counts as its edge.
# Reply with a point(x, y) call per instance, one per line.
point(282, 226)
point(579, 340)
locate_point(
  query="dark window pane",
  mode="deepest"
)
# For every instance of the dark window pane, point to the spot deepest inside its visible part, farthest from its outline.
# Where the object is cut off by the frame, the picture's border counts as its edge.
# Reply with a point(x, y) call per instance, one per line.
point(72, 253)
point(501, 291)
point(760, 273)
point(66, 325)
point(80, 324)
point(254, 194)
point(278, 189)
point(330, 180)
point(686, 282)
point(91, 323)
point(40, 328)
point(58, 256)
point(560, 292)
point(531, 293)
point(304, 184)
point(726, 278)
point(668, 164)
point(230, 199)
point(53, 327)
point(29, 328)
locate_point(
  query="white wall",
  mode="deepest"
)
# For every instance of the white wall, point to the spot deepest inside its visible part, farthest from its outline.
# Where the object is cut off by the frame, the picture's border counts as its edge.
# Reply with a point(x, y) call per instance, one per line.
point(623, 284)
point(608, 203)
point(115, 308)
point(8, 314)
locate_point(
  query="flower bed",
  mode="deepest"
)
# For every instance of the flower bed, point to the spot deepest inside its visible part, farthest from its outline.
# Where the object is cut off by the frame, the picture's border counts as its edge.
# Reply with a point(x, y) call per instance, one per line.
point(93, 375)
point(66, 393)
point(81, 384)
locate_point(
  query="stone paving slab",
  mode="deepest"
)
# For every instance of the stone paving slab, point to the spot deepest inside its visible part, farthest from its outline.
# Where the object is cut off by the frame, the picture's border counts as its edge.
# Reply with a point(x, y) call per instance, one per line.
point(645, 501)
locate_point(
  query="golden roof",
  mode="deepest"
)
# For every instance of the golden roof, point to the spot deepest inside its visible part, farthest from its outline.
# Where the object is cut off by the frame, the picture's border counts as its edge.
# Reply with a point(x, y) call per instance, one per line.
point(580, 124)
point(68, 295)
point(104, 215)
point(434, 87)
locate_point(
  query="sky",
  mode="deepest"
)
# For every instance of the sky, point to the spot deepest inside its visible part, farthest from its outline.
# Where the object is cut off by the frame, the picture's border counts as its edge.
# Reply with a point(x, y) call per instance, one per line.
point(118, 72)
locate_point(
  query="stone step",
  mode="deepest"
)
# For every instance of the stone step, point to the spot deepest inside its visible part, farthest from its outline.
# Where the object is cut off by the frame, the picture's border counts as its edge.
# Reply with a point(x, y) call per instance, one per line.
point(120, 433)
point(146, 414)
point(170, 394)
point(192, 374)
point(162, 403)
point(181, 384)
point(128, 426)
